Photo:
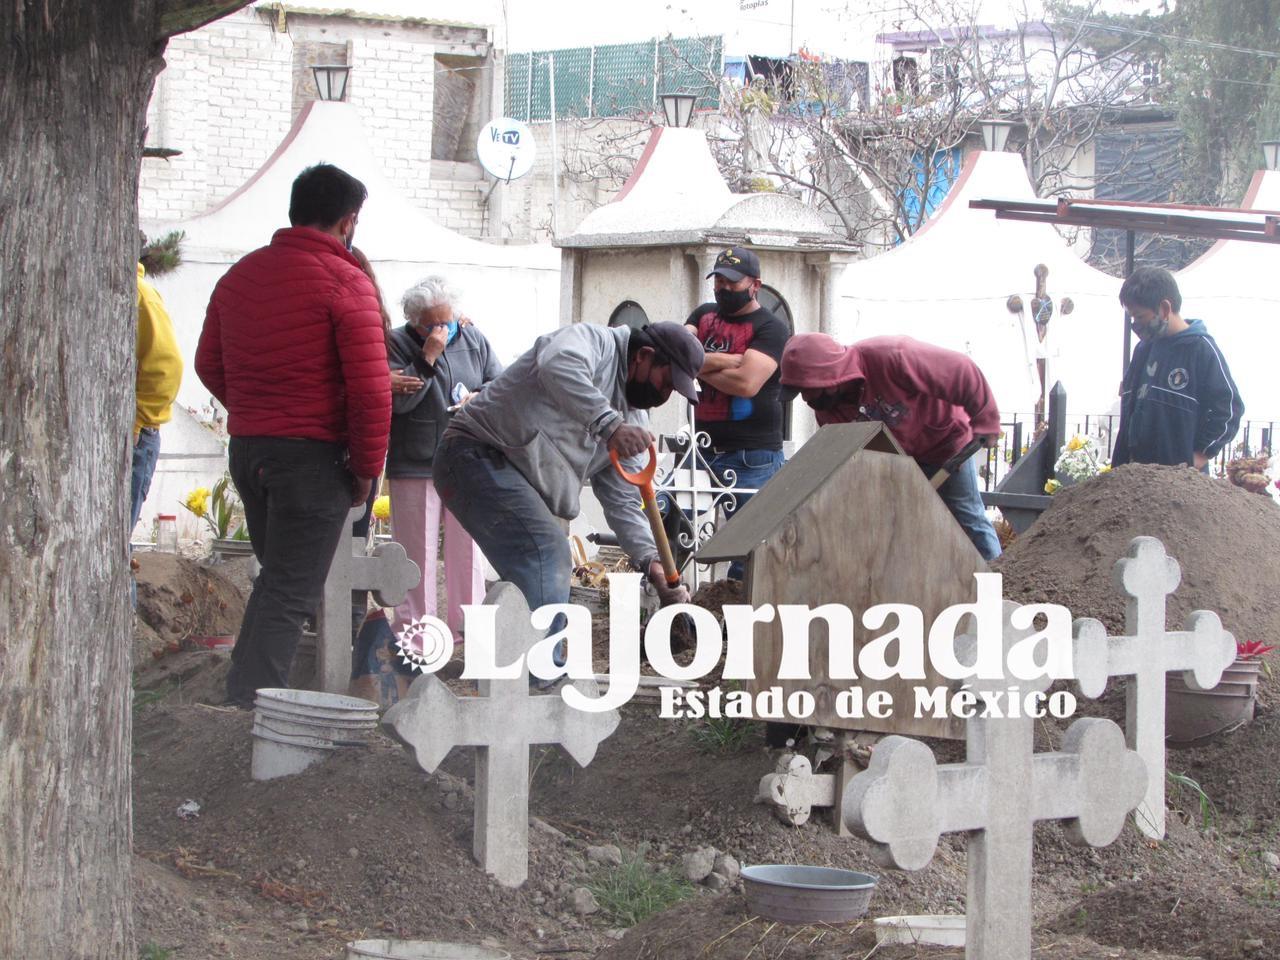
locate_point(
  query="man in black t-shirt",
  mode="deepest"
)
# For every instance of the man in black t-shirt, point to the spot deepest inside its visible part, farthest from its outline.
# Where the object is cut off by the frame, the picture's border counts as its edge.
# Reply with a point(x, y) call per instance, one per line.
point(741, 406)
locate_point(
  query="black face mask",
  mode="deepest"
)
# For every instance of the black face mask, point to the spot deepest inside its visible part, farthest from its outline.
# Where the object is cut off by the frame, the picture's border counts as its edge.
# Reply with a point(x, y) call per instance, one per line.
point(729, 302)
point(643, 395)
point(825, 401)
point(829, 401)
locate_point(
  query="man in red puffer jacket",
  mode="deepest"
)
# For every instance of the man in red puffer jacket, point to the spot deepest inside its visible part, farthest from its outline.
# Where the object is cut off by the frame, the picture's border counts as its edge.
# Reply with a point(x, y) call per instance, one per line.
point(293, 347)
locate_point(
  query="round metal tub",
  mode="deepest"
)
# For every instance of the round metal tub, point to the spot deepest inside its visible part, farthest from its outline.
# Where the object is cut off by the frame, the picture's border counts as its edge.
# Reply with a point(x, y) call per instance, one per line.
point(793, 894)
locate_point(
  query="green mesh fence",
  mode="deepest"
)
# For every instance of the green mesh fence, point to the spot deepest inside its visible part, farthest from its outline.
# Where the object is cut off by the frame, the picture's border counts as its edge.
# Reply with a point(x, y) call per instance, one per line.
point(612, 80)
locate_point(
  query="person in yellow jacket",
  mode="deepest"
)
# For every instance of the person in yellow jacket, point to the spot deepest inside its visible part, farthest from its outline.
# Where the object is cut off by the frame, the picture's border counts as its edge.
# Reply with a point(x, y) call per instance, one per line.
point(159, 375)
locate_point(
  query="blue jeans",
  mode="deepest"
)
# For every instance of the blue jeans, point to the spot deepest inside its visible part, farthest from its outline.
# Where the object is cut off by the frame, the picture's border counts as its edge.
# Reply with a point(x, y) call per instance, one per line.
point(963, 498)
point(507, 519)
point(750, 468)
point(146, 452)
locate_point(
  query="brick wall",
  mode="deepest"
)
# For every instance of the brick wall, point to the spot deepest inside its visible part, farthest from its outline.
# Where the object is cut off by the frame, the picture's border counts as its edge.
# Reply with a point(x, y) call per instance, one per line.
point(226, 99)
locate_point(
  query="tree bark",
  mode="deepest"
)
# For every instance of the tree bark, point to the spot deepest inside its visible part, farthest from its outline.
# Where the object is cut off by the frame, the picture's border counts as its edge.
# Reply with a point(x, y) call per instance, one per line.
point(74, 84)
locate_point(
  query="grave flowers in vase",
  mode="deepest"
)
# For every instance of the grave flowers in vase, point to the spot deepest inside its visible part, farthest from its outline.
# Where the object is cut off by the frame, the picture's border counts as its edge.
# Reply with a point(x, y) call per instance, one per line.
point(1081, 458)
point(219, 508)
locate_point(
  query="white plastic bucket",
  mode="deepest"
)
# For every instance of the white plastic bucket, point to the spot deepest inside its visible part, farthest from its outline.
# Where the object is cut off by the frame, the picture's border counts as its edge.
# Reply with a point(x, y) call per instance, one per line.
point(937, 929)
point(276, 756)
point(420, 950)
point(314, 703)
point(292, 729)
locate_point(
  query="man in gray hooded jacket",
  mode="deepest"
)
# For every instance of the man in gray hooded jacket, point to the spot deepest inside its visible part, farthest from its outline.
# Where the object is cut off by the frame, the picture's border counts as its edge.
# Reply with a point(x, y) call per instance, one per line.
point(515, 458)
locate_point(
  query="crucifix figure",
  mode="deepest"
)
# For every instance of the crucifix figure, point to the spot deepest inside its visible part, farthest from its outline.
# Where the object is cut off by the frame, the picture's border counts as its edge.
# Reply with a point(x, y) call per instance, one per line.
point(501, 723)
point(388, 572)
point(1147, 575)
point(903, 802)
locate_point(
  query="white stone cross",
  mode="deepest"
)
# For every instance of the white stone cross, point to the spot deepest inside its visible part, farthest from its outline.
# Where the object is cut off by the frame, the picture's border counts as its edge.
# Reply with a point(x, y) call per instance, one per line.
point(903, 802)
point(1202, 651)
point(501, 723)
point(388, 572)
point(794, 790)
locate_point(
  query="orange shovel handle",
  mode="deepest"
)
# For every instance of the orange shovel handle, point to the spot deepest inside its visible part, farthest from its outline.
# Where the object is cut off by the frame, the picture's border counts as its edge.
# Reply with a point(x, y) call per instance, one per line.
point(644, 481)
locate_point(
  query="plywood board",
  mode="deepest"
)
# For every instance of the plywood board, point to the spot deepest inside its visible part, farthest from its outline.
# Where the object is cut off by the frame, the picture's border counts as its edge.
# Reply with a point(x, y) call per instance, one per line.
point(827, 450)
point(873, 532)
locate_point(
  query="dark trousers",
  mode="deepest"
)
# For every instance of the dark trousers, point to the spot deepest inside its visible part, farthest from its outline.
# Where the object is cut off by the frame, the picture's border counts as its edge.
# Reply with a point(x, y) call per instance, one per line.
point(296, 496)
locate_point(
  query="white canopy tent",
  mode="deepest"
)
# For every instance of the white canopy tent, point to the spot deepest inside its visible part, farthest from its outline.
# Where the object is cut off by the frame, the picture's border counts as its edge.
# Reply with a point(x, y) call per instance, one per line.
point(511, 292)
point(1232, 287)
point(950, 284)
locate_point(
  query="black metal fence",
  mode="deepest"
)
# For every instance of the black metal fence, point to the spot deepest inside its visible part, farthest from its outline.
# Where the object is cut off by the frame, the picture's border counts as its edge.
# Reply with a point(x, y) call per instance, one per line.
point(1254, 438)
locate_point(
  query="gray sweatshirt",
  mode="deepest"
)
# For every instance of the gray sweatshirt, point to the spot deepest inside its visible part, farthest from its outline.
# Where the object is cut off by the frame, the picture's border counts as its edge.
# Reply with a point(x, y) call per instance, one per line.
point(551, 413)
point(418, 419)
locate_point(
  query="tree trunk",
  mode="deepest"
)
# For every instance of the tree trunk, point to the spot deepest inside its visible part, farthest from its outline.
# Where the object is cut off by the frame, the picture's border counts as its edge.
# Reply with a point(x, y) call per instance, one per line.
point(74, 82)
point(73, 96)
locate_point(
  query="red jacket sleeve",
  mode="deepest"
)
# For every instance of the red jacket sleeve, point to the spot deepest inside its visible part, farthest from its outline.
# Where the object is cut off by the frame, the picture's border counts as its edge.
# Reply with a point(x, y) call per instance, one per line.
point(953, 377)
point(362, 354)
point(209, 354)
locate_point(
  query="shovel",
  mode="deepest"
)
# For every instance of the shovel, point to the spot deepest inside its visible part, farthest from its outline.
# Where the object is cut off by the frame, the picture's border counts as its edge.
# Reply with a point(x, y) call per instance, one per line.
point(955, 463)
point(644, 481)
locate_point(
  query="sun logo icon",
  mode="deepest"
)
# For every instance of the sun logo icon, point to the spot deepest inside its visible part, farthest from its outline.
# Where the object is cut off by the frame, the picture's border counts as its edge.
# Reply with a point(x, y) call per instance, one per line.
point(425, 644)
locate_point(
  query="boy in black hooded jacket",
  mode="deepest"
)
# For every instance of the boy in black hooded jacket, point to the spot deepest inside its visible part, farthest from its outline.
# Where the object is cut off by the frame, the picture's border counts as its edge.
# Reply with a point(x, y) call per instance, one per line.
point(1178, 403)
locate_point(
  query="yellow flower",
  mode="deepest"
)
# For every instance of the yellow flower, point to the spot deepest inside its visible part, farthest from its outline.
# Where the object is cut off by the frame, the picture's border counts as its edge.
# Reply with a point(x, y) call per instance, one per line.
point(1052, 487)
point(1106, 469)
point(382, 508)
point(1076, 443)
point(197, 501)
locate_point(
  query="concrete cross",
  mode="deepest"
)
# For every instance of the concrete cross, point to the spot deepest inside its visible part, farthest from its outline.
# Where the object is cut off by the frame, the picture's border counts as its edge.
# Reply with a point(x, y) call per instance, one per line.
point(793, 790)
point(1146, 575)
point(501, 723)
point(388, 572)
point(903, 802)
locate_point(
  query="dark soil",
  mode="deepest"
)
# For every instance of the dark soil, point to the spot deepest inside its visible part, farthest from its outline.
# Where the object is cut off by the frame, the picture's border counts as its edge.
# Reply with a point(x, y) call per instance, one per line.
point(1225, 539)
point(367, 845)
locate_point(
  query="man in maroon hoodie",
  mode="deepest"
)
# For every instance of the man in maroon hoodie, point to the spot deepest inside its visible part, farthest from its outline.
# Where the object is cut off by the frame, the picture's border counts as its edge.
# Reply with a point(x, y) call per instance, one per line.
point(293, 347)
point(934, 401)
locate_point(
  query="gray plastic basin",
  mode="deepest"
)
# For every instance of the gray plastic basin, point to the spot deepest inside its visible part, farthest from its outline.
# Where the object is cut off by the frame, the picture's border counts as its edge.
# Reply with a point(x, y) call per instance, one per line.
point(799, 894)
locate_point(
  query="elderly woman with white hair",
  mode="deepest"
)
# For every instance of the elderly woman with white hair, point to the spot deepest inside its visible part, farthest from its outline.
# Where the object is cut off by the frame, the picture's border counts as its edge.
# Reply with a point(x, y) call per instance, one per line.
point(436, 365)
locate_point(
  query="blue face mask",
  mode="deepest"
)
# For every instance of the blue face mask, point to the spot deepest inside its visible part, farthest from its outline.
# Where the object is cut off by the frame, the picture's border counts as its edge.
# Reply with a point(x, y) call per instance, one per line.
point(453, 331)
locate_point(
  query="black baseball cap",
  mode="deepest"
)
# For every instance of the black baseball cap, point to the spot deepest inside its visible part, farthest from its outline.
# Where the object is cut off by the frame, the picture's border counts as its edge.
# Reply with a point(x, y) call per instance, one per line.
point(682, 349)
point(736, 263)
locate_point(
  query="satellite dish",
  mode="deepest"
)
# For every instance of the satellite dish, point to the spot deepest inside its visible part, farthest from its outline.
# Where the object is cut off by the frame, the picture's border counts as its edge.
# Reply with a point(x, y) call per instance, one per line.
point(506, 149)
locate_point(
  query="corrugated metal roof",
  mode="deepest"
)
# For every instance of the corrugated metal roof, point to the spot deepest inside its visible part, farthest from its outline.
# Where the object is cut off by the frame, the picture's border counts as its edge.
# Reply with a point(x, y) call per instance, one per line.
point(355, 13)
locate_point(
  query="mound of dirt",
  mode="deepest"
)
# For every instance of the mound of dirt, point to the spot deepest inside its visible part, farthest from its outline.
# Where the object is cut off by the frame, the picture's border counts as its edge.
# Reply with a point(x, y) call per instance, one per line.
point(1224, 538)
point(179, 598)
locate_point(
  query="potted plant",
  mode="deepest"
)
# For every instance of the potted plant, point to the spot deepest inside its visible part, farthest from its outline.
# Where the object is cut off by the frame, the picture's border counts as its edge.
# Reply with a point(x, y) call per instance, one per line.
point(1193, 716)
point(218, 508)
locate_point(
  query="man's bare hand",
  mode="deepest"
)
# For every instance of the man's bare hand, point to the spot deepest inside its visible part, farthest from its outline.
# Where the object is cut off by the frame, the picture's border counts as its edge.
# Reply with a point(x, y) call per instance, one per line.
point(360, 487)
point(403, 383)
point(630, 441)
point(1199, 459)
point(667, 595)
